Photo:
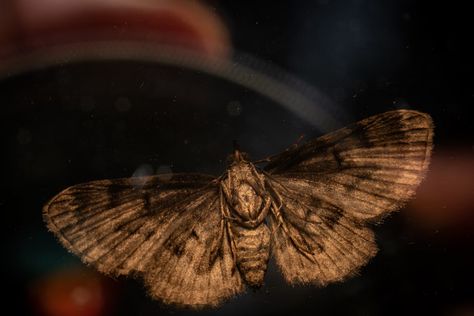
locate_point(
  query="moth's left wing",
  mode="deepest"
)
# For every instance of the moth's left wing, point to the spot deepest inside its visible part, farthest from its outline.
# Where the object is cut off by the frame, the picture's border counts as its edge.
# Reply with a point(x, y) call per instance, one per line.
point(169, 232)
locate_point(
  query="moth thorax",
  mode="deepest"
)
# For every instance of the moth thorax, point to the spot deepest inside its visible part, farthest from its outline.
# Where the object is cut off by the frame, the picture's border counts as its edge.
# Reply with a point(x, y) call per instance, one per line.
point(246, 201)
point(244, 192)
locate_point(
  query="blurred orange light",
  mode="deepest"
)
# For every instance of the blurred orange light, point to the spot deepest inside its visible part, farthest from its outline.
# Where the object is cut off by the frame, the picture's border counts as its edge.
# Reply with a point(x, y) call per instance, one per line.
point(71, 292)
point(446, 197)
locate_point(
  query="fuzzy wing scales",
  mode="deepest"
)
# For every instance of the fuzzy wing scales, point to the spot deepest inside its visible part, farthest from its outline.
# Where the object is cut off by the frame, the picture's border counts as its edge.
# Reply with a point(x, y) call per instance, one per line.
point(367, 169)
point(314, 241)
point(152, 228)
point(330, 187)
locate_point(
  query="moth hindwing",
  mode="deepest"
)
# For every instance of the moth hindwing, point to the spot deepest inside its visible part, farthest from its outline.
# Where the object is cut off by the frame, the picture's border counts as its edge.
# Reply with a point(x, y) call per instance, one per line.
point(197, 240)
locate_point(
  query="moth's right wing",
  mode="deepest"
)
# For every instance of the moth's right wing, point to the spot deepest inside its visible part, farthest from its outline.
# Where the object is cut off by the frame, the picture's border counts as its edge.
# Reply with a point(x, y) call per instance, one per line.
point(169, 232)
point(315, 241)
point(367, 169)
point(330, 187)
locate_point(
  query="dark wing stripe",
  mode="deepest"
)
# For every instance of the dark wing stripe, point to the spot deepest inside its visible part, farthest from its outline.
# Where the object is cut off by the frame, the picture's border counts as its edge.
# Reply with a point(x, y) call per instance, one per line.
point(177, 278)
point(376, 177)
point(112, 246)
point(376, 180)
point(92, 223)
point(109, 235)
point(138, 253)
point(91, 210)
point(352, 187)
point(308, 189)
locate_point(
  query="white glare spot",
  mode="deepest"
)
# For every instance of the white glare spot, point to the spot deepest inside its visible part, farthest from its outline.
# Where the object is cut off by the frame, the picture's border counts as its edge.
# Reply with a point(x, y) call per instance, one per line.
point(164, 172)
point(138, 177)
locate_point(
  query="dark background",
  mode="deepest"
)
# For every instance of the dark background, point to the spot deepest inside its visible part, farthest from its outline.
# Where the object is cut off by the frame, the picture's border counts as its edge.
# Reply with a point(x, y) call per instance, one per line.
point(83, 121)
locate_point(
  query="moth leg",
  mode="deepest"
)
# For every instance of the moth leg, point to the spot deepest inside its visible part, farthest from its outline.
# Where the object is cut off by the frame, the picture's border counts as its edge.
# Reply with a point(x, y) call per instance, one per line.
point(233, 246)
point(276, 208)
point(217, 247)
point(263, 214)
point(225, 215)
point(260, 190)
point(298, 245)
point(225, 196)
point(275, 194)
point(223, 231)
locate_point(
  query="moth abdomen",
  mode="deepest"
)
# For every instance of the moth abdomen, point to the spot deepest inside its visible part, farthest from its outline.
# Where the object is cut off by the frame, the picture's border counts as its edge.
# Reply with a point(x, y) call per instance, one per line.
point(253, 252)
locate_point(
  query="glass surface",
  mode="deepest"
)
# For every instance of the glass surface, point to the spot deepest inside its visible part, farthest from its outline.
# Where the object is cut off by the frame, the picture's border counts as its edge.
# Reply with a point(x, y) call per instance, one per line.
point(76, 112)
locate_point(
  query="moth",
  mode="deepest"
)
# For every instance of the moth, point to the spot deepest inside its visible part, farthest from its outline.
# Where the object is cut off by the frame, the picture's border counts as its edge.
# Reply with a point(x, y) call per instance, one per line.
point(197, 240)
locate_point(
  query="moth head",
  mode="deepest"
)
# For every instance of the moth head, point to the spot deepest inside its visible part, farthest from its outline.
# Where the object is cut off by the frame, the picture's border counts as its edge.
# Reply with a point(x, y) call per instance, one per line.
point(237, 156)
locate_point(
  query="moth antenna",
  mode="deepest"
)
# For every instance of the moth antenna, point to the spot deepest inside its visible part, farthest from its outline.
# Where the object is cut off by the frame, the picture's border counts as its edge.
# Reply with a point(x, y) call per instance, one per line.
point(298, 141)
point(237, 155)
point(235, 145)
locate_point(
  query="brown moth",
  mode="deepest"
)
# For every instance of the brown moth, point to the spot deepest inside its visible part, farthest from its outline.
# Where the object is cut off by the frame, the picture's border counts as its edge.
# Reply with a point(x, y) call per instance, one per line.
point(197, 240)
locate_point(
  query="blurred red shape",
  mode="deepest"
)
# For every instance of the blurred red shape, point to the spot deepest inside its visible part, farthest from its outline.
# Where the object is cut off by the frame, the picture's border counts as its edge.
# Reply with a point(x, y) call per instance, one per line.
point(446, 197)
point(72, 292)
point(29, 24)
